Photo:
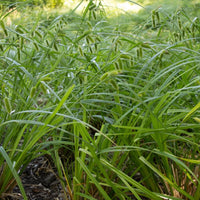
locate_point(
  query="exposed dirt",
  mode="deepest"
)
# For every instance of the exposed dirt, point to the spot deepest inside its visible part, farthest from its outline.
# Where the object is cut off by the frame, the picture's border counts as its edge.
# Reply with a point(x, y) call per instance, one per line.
point(40, 182)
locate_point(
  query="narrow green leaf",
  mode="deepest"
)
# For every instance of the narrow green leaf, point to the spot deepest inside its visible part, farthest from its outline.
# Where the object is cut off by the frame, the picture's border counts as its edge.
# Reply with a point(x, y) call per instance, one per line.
point(191, 112)
point(14, 172)
point(136, 184)
point(165, 178)
point(88, 172)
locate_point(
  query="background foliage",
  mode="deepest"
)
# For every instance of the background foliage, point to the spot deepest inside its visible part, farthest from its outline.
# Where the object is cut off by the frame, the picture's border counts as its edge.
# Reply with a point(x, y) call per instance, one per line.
point(113, 101)
point(50, 3)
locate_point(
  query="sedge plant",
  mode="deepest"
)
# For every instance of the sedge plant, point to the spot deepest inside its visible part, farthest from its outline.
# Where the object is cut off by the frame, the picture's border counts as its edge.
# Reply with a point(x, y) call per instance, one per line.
point(123, 103)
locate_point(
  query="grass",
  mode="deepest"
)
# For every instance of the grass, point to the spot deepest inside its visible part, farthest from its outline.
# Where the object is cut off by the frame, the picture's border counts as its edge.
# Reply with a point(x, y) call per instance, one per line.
point(122, 99)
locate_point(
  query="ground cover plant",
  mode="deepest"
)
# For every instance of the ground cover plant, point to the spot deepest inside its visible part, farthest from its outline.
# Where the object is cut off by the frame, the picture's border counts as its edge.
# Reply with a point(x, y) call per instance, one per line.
point(115, 106)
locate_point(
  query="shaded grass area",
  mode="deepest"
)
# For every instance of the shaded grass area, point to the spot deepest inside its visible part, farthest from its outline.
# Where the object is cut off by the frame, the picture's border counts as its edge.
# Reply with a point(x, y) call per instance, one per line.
point(119, 95)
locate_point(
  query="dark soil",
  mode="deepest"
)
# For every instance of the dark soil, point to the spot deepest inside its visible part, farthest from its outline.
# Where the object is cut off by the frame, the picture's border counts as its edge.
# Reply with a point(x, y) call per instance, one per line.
point(40, 182)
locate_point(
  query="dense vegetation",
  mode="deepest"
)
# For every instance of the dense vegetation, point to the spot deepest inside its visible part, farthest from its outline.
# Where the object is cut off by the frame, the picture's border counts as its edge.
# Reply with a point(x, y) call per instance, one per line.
point(30, 3)
point(115, 103)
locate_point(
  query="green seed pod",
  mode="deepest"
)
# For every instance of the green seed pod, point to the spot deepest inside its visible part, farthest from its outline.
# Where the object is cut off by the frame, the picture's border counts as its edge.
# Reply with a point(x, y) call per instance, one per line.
point(65, 22)
point(116, 65)
point(32, 93)
point(153, 12)
point(46, 79)
point(95, 46)
point(161, 55)
point(94, 15)
point(158, 16)
point(98, 39)
point(165, 51)
point(114, 72)
point(18, 29)
point(21, 43)
point(193, 35)
point(138, 53)
point(188, 30)
point(92, 6)
point(120, 64)
point(193, 27)
point(2, 24)
point(7, 105)
point(91, 51)
point(114, 84)
point(90, 15)
point(131, 62)
point(183, 33)
point(1, 47)
point(18, 53)
point(3, 27)
point(55, 46)
point(145, 45)
point(141, 51)
point(38, 34)
point(36, 46)
point(175, 35)
point(87, 40)
point(3, 89)
point(125, 56)
point(104, 76)
point(109, 74)
point(43, 88)
point(89, 24)
point(153, 21)
point(116, 47)
point(179, 23)
point(119, 42)
point(47, 42)
point(82, 36)
point(6, 32)
point(180, 37)
point(90, 38)
point(80, 51)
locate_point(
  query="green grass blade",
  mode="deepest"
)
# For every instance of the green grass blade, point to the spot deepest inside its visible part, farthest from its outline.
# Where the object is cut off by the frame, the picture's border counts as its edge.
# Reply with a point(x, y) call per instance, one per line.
point(131, 181)
point(88, 172)
point(13, 171)
point(191, 112)
point(165, 178)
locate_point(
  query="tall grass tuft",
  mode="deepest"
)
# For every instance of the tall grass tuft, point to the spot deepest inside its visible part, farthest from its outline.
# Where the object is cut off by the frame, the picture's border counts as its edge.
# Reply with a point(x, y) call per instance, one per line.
point(123, 102)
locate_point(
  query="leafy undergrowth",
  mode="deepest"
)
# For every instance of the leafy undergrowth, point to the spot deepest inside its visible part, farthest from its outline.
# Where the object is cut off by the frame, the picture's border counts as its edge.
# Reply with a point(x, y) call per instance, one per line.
point(115, 106)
